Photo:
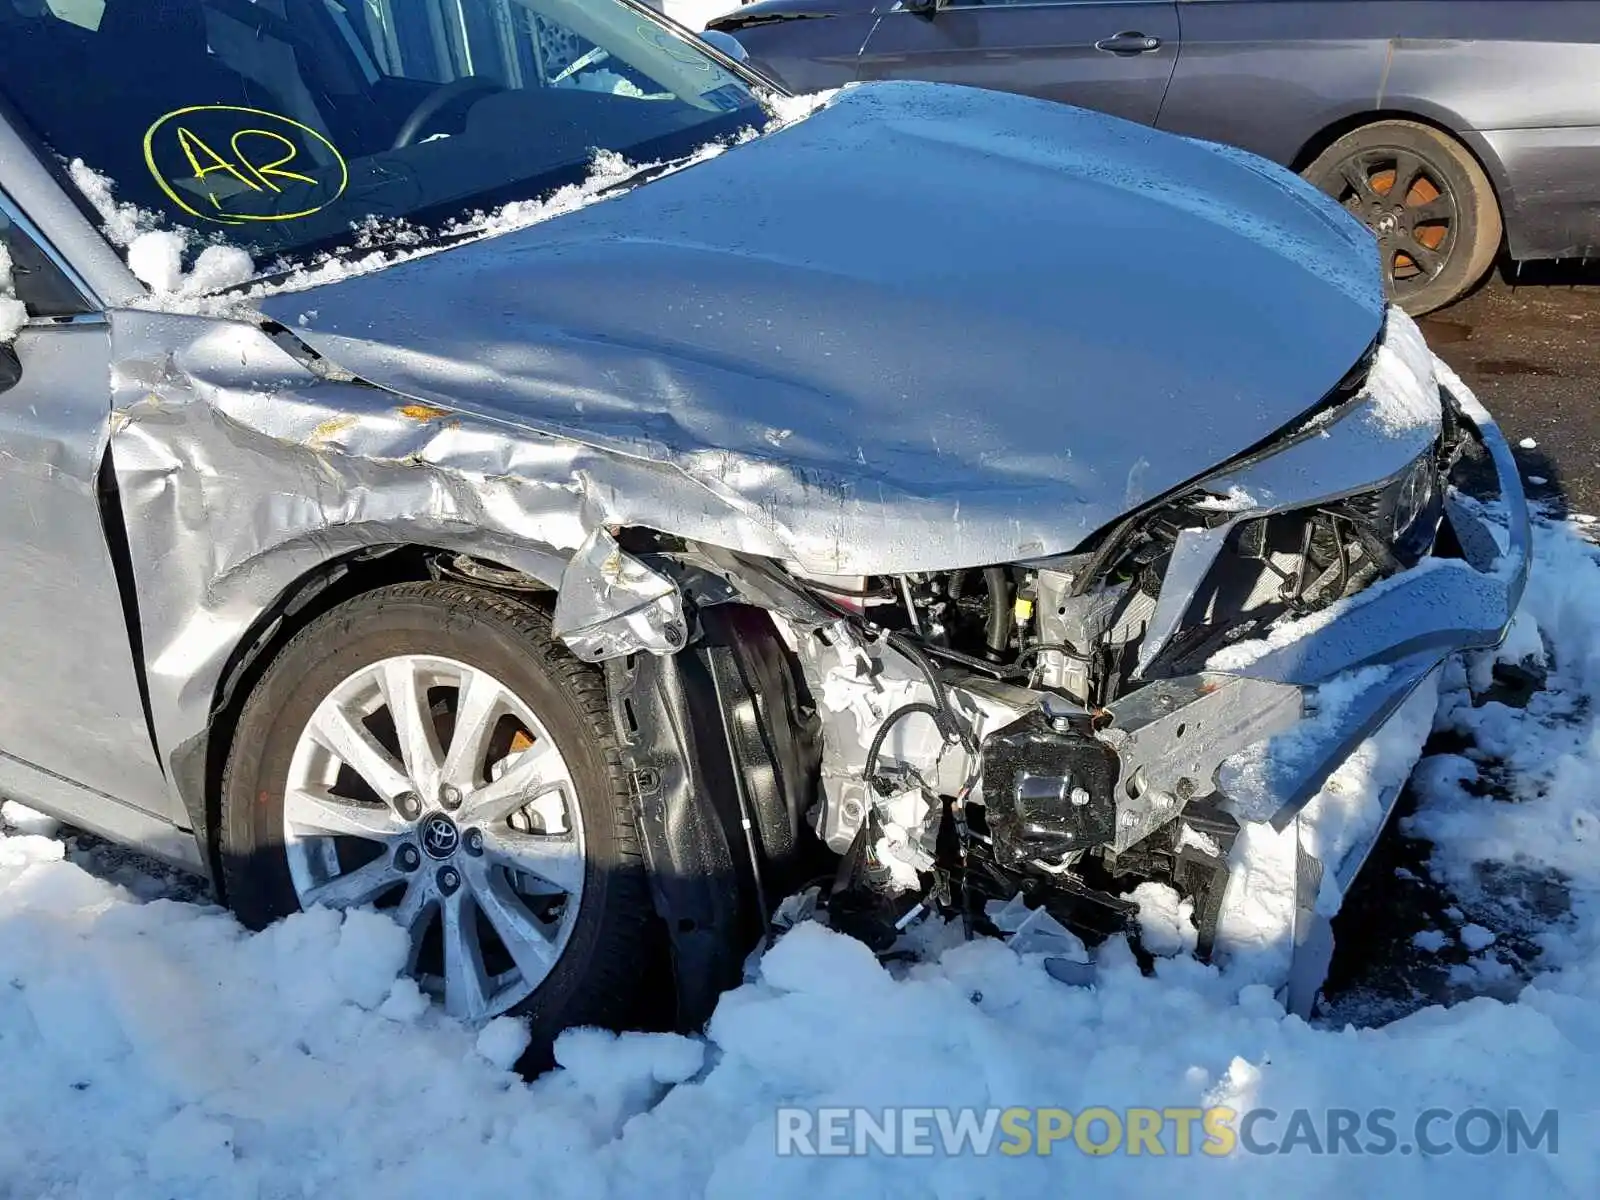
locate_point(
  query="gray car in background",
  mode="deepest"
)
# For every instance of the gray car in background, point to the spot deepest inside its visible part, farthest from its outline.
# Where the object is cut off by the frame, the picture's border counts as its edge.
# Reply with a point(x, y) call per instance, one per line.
point(1452, 129)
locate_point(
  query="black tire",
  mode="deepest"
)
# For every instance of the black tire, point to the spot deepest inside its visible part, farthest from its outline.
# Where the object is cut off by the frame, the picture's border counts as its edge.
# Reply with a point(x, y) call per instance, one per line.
point(1440, 235)
point(599, 977)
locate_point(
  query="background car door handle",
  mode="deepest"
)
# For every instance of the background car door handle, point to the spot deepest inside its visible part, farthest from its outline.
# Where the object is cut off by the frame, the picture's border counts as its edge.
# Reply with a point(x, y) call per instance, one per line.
point(1129, 42)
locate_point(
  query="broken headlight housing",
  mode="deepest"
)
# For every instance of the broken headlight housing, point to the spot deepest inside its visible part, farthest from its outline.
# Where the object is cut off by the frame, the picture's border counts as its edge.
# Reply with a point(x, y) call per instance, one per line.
point(1413, 496)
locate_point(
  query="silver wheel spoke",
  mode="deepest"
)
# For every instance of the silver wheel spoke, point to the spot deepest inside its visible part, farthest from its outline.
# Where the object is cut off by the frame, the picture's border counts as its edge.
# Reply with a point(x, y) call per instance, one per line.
point(338, 817)
point(466, 988)
point(414, 914)
point(355, 888)
point(413, 724)
point(463, 854)
point(479, 702)
point(358, 750)
point(537, 769)
point(553, 857)
point(525, 938)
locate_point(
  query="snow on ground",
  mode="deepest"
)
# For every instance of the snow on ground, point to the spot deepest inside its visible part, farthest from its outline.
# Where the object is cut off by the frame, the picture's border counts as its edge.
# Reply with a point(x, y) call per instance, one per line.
point(151, 1048)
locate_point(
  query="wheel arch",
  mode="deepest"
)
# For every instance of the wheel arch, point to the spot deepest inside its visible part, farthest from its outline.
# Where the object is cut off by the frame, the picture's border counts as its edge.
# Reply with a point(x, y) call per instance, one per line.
point(706, 872)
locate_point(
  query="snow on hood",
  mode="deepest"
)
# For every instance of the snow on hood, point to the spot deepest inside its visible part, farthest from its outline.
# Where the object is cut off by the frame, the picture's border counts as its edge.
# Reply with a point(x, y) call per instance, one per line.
point(927, 327)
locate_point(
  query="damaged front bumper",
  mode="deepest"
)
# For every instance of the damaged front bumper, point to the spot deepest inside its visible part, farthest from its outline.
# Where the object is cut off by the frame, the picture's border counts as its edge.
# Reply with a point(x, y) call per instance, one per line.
point(1260, 736)
point(1369, 653)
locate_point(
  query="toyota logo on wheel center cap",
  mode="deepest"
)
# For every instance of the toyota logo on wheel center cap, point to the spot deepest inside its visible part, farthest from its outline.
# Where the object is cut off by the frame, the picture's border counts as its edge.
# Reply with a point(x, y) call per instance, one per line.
point(440, 837)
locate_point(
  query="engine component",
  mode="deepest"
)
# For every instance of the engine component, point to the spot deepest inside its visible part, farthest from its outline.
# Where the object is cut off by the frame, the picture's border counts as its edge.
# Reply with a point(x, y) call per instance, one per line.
point(1049, 788)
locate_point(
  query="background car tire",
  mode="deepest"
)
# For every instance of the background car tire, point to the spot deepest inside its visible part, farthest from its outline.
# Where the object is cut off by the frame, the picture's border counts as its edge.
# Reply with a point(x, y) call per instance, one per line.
point(1446, 217)
point(603, 976)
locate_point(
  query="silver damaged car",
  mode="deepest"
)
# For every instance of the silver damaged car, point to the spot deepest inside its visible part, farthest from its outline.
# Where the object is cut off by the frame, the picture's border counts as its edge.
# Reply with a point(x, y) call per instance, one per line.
point(534, 480)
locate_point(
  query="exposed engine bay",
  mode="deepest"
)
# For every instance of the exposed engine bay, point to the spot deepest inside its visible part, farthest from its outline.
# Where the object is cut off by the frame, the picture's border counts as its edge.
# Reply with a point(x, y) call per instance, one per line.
point(1033, 717)
point(1072, 726)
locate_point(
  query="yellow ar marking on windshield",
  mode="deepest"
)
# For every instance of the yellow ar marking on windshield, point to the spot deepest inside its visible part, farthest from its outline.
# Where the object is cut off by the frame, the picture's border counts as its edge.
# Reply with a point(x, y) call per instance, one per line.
point(193, 147)
point(266, 171)
point(259, 178)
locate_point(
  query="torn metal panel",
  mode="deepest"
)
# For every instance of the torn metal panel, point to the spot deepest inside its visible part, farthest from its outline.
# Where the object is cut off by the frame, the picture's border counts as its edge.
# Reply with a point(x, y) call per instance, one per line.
point(610, 604)
point(241, 469)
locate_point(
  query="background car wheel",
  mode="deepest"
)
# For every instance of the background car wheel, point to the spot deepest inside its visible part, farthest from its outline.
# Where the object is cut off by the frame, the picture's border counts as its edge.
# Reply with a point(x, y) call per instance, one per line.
point(1427, 201)
point(429, 750)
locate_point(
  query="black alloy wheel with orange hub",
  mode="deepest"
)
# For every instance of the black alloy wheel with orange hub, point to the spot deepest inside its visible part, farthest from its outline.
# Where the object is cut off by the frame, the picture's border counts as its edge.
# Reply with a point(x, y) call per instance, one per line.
point(1427, 201)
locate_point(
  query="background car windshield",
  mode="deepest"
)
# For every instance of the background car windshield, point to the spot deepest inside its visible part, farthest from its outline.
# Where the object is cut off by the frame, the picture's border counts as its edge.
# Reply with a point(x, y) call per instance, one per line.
point(277, 125)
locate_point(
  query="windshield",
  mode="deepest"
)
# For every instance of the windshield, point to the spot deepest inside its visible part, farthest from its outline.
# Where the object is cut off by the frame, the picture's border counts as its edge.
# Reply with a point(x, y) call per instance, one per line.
point(278, 125)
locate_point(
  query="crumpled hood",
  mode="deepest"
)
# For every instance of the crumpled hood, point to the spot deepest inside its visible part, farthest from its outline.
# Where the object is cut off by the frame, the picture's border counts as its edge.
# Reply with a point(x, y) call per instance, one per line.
point(926, 327)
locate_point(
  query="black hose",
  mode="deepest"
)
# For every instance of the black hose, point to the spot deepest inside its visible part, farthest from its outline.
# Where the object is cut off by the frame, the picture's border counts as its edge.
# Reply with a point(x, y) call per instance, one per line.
point(889, 722)
point(951, 726)
point(997, 632)
point(1071, 652)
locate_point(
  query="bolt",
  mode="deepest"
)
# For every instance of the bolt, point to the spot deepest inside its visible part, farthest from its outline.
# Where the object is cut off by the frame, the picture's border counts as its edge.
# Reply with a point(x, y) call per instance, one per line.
point(449, 880)
point(407, 858)
point(1061, 724)
point(408, 805)
point(449, 796)
point(473, 841)
point(1185, 788)
point(1079, 797)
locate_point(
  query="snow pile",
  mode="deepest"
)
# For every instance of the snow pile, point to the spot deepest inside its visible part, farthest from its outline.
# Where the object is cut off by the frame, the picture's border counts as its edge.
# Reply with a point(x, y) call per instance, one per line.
point(25, 820)
point(156, 259)
point(1166, 920)
point(122, 223)
point(1526, 790)
point(155, 254)
point(12, 314)
point(1402, 381)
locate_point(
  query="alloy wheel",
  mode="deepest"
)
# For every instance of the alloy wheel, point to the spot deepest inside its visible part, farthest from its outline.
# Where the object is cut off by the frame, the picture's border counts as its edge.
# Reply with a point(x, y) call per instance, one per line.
point(1409, 206)
point(427, 788)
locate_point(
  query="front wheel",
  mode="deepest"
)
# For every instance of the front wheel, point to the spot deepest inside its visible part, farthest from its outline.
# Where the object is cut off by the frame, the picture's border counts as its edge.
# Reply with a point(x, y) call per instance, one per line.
point(429, 750)
point(1425, 199)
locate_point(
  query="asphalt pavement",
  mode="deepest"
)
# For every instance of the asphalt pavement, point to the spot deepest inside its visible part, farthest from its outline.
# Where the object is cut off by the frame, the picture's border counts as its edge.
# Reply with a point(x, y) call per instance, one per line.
point(1528, 343)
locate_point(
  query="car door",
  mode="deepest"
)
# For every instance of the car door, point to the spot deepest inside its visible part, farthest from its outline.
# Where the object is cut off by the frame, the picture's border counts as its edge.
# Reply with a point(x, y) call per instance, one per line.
point(1115, 57)
point(1268, 75)
point(73, 730)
